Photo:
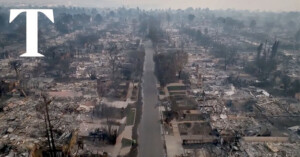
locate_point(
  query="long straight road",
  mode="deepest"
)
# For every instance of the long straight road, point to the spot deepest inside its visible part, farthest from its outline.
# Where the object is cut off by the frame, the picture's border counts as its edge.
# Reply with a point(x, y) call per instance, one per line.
point(150, 141)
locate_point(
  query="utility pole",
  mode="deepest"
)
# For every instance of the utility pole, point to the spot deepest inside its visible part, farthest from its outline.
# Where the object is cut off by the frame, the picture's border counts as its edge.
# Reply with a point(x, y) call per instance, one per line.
point(48, 137)
point(49, 127)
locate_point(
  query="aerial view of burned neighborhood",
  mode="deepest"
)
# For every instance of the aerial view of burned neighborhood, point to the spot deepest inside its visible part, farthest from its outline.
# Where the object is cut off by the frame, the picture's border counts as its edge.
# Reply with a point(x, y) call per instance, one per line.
point(150, 78)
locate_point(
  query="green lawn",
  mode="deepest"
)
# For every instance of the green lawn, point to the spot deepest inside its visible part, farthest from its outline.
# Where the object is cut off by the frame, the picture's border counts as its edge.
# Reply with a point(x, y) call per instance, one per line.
point(161, 92)
point(177, 93)
point(170, 88)
point(130, 117)
point(126, 142)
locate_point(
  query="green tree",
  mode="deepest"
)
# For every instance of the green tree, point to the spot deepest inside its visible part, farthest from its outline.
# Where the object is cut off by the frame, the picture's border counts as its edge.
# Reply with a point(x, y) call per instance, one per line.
point(191, 17)
point(252, 24)
point(297, 36)
point(168, 18)
point(98, 19)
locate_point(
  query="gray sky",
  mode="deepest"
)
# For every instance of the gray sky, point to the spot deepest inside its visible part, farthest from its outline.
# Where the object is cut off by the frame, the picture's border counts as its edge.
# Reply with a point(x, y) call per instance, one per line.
point(262, 5)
